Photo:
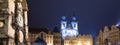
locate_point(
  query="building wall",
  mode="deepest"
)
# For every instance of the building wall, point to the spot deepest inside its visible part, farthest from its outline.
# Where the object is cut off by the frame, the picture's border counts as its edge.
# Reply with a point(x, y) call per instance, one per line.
point(57, 38)
point(48, 37)
point(80, 40)
point(11, 8)
point(108, 35)
point(7, 11)
point(99, 38)
point(114, 34)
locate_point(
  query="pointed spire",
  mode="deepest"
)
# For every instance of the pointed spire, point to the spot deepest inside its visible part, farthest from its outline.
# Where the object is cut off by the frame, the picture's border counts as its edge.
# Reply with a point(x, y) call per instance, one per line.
point(73, 17)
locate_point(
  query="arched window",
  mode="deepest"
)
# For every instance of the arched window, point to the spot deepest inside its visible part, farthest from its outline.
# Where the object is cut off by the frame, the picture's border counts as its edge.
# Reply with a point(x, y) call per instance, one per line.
point(74, 25)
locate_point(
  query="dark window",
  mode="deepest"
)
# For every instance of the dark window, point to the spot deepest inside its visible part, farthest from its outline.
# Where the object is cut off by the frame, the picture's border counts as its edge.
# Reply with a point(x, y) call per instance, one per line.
point(74, 25)
point(1, 43)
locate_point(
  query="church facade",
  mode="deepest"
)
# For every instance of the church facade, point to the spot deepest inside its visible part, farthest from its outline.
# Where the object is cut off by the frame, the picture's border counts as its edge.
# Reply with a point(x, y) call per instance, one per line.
point(69, 29)
point(70, 33)
point(13, 22)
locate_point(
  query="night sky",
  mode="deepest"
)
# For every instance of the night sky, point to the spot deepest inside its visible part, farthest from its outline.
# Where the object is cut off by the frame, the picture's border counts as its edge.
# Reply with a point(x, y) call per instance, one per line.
point(92, 15)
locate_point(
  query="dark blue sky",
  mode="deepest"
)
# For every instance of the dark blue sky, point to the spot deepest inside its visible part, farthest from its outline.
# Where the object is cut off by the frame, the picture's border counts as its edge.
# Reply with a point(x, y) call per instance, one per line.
point(92, 15)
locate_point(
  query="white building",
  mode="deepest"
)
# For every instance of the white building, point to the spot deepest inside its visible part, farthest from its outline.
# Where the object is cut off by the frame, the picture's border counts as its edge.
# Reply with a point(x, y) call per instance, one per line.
point(69, 29)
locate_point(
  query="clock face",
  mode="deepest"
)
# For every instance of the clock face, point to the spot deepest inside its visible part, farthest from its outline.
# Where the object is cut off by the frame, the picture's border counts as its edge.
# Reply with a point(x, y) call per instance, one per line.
point(21, 36)
point(20, 20)
point(1, 24)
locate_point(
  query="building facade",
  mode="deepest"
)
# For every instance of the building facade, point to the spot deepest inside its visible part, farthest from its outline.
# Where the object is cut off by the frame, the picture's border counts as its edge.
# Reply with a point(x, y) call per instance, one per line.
point(69, 29)
point(99, 38)
point(57, 36)
point(79, 40)
point(13, 22)
point(39, 41)
point(34, 33)
point(108, 36)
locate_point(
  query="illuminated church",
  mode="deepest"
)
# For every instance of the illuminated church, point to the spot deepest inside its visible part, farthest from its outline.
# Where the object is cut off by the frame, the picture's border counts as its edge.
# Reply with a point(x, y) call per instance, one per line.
point(70, 34)
point(69, 29)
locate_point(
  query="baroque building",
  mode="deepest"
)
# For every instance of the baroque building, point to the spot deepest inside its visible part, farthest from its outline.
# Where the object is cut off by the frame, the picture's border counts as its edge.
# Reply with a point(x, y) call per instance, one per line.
point(79, 40)
point(34, 33)
point(13, 22)
point(39, 41)
point(108, 36)
point(99, 38)
point(57, 37)
point(70, 34)
point(69, 29)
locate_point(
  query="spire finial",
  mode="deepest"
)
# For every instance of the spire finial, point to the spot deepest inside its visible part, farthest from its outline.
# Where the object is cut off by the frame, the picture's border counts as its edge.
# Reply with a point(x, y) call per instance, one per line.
point(73, 17)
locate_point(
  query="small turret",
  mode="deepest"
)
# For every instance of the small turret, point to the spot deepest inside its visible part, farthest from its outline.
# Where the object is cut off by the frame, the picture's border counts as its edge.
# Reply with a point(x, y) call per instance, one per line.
point(74, 23)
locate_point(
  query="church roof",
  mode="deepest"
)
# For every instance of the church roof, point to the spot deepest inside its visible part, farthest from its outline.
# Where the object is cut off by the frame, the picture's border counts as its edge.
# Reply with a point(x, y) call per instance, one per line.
point(41, 40)
point(56, 29)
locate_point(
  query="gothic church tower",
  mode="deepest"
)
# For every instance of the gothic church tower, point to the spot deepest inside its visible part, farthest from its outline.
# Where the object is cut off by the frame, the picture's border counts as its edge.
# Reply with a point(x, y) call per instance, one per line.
point(69, 29)
point(13, 22)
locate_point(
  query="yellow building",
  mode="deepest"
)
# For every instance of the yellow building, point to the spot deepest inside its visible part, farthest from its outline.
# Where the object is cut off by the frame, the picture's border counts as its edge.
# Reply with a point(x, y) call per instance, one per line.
point(79, 40)
point(114, 37)
point(108, 36)
point(34, 33)
point(99, 38)
point(57, 36)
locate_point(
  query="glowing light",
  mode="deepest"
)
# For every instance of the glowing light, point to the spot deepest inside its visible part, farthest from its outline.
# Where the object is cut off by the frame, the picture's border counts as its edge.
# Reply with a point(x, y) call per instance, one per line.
point(79, 43)
point(118, 24)
point(73, 18)
point(63, 18)
point(88, 43)
point(49, 44)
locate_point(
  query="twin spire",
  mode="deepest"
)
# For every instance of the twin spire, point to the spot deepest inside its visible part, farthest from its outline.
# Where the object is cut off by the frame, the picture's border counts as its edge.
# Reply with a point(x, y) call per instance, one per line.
point(73, 18)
